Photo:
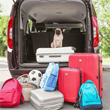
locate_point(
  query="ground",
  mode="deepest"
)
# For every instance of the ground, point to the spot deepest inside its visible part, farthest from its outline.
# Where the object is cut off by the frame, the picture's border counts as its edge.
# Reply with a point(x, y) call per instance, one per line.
point(4, 74)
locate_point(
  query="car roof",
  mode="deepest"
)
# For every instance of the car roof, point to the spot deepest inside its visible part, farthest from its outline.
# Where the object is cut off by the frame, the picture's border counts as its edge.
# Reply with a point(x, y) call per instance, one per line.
point(55, 10)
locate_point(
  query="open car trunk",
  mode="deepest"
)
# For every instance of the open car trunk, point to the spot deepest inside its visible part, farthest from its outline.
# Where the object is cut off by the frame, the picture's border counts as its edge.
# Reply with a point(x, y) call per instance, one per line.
point(38, 20)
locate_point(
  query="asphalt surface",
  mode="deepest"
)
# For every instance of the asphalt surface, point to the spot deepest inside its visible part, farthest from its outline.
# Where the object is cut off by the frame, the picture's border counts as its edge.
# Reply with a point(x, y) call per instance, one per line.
point(5, 74)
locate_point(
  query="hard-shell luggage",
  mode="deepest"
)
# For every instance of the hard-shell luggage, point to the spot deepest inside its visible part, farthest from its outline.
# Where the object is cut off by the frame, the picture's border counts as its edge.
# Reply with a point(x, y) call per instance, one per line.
point(43, 100)
point(45, 55)
point(11, 93)
point(91, 64)
point(69, 82)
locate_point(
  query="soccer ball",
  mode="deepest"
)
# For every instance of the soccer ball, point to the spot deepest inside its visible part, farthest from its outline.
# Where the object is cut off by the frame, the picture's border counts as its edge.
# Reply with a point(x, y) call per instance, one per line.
point(35, 77)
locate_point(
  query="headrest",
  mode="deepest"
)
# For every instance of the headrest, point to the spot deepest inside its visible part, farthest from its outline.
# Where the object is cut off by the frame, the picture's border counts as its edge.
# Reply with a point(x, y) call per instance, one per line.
point(50, 30)
point(66, 31)
point(75, 30)
point(40, 26)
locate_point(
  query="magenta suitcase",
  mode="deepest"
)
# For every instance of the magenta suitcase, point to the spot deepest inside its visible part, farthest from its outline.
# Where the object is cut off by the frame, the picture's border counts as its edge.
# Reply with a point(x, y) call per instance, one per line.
point(69, 82)
point(91, 64)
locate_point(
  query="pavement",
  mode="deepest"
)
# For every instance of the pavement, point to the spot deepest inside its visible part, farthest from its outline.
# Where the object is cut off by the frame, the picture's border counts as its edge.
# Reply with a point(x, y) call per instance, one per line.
point(106, 66)
point(5, 74)
point(68, 106)
point(3, 59)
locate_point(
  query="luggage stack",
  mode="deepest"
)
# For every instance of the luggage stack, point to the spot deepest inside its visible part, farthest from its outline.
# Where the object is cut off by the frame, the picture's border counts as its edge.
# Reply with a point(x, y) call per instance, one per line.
point(47, 98)
point(84, 69)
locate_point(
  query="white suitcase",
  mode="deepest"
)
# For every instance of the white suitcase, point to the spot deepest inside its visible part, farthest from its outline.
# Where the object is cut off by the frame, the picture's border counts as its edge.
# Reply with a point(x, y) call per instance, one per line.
point(44, 100)
point(46, 55)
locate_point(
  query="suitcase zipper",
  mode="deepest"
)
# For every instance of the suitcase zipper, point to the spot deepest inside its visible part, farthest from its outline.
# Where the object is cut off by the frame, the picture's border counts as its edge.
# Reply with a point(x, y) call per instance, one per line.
point(80, 77)
point(53, 75)
point(53, 53)
point(99, 73)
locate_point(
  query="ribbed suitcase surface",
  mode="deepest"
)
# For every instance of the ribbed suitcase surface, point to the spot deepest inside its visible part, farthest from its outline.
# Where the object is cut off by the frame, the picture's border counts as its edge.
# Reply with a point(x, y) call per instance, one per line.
point(91, 64)
point(69, 82)
point(44, 100)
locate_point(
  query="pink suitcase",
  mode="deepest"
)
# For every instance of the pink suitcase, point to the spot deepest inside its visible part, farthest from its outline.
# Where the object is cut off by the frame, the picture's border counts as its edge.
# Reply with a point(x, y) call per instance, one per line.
point(91, 64)
point(69, 82)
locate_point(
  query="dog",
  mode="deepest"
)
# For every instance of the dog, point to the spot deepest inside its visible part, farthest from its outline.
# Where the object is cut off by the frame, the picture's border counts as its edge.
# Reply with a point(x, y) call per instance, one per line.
point(58, 39)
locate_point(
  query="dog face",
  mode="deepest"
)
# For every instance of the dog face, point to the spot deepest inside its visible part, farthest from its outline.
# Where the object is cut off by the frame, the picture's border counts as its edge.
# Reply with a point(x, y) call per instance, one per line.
point(58, 31)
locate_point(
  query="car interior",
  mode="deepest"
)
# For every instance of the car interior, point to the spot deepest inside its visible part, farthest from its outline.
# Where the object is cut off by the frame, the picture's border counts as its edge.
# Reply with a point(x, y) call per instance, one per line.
point(38, 20)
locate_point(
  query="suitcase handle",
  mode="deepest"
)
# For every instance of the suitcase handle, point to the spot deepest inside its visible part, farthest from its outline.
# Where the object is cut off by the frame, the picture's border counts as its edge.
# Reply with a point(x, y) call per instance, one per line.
point(41, 56)
point(55, 56)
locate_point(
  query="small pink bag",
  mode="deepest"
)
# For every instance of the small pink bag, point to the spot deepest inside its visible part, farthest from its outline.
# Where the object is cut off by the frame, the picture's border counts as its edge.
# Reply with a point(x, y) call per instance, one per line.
point(11, 93)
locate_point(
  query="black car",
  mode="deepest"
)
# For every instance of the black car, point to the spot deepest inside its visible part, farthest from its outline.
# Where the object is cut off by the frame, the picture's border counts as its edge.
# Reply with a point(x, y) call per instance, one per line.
point(31, 26)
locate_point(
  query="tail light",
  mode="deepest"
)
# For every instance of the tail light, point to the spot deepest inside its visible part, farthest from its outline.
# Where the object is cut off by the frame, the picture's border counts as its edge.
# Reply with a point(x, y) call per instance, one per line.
point(95, 31)
point(10, 33)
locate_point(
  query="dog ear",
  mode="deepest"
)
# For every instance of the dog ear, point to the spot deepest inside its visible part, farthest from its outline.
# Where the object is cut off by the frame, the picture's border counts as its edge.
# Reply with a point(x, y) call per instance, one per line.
point(62, 29)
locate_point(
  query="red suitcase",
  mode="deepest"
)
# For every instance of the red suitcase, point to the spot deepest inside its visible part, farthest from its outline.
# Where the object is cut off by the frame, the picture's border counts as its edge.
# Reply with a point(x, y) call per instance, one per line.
point(91, 64)
point(69, 82)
